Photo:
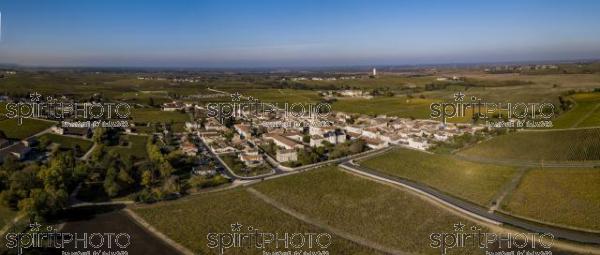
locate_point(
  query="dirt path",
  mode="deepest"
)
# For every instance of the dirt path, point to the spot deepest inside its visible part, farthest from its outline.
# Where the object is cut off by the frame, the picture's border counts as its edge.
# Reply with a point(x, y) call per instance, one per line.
point(338, 232)
point(507, 189)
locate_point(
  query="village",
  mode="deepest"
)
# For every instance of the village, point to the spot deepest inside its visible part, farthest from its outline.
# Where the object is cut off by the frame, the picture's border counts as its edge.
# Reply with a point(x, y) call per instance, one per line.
point(251, 145)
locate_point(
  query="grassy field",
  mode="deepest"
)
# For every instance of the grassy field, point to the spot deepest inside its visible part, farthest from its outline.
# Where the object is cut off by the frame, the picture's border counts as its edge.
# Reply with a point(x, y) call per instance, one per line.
point(475, 182)
point(586, 112)
point(144, 97)
point(68, 142)
point(377, 212)
point(136, 147)
point(568, 196)
point(270, 95)
point(559, 145)
point(155, 115)
point(189, 221)
point(392, 106)
point(30, 127)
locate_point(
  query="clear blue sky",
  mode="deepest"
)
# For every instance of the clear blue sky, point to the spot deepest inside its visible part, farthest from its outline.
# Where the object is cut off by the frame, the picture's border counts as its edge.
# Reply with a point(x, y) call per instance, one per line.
point(246, 33)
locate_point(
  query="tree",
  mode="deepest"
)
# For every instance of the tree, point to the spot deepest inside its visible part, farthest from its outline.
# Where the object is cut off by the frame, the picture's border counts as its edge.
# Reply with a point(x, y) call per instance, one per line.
point(125, 178)
point(98, 153)
point(44, 142)
point(306, 138)
point(111, 187)
point(10, 164)
point(151, 101)
point(43, 203)
point(77, 150)
point(171, 185)
point(166, 169)
point(357, 146)
point(99, 135)
point(147, 177)
point(228, 135)
point(59, 172)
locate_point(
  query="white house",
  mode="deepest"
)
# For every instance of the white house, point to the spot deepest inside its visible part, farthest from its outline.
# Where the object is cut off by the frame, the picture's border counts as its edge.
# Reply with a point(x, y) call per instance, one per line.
point(286, 155)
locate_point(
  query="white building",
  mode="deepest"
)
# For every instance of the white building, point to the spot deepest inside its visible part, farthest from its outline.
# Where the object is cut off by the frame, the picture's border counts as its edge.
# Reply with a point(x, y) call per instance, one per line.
point(251, 157)
point(286, 155)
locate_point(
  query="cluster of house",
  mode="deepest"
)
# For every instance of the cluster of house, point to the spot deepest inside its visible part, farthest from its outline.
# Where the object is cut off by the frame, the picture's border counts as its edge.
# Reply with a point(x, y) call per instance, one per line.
point(22, 148)
point(377, 133)
point(347, 93)
point(418, 134)
point(450, 78)
point(179, 106)
point(73, 131)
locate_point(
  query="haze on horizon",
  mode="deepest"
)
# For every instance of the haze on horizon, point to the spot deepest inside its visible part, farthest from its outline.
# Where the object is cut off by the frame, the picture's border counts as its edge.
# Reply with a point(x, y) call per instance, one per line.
point(239, 33)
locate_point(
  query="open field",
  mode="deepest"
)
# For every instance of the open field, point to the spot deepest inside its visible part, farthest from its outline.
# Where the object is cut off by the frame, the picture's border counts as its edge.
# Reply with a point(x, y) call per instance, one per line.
point(145, 97)
point(568, 81)
point(156, 115)
point(68, 142)
point(569, 196)
point(30, 127)
point(585, 113)
point(558, 145)
point(377, 212)
point(274, 95)
point(475, 182)
point(136, 147)
point(67, 83)
point(382, 80)
point(392, 106)
point(189, 221)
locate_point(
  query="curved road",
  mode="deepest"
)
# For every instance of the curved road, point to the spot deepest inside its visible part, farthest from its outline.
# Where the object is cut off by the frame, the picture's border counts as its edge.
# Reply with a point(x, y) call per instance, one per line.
point(479, 211)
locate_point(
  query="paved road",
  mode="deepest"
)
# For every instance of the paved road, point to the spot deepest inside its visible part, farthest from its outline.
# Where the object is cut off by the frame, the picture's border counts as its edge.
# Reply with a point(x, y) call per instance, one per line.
point(279, 171)
point(560, 233)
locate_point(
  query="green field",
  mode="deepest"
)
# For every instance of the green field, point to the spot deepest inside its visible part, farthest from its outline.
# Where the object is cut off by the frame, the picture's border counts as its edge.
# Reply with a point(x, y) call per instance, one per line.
point(475, 182)
point(28, 128)
point(154, 115)
point(274, 95)
point(68, 142)
point(585, 113)
point(136, 147)
point(189, 221)
point(380, 213)
point(392, 106)
point(558, 145)
point(567, 196)
point(144, 97)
